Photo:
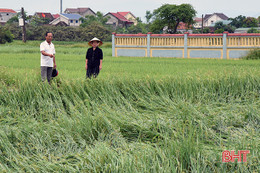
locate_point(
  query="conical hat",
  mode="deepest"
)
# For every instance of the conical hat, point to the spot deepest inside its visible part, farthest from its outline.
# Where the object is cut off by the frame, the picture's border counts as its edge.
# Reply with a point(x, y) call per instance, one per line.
point(95, 39)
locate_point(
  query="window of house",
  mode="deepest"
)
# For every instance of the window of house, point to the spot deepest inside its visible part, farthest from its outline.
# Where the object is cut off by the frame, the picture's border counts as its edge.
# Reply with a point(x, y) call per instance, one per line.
point(71, 21)
point(212, 21)
point(7, 14)
point(77, 21)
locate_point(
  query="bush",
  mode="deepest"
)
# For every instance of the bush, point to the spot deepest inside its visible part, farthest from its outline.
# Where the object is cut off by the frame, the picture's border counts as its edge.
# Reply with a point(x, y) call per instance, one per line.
point(5, 36)
point(253, 54)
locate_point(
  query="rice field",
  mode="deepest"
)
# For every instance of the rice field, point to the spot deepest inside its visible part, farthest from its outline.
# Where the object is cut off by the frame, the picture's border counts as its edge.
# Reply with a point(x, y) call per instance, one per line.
point(139, 115)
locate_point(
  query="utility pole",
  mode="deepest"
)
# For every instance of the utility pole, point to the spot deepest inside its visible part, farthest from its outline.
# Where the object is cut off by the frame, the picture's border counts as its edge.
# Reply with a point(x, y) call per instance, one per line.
point(60, 6)
point(202, 23)
point(23, 27)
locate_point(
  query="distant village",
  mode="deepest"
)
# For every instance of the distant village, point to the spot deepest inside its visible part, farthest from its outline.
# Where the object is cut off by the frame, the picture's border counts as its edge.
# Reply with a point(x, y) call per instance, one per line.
point(71, 17)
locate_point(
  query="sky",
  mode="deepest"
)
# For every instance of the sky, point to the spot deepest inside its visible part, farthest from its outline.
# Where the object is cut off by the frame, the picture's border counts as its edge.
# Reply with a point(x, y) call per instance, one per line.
point(231, 8)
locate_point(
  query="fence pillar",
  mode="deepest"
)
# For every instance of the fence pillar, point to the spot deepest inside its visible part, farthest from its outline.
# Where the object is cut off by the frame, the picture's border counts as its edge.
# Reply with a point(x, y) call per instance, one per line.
point(113, 44)
point(186, 45)
point(149, 44)
point(225, 45)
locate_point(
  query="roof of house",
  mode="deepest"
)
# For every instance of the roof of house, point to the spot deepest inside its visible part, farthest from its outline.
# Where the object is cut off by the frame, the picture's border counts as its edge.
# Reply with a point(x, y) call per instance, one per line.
point(55, 16)
point(221, 15)
point(72, 16)
point(44, 15)
point(78, 10)
point(183, 26)
point(4, 10)
point(197, 19)
point(120, 17)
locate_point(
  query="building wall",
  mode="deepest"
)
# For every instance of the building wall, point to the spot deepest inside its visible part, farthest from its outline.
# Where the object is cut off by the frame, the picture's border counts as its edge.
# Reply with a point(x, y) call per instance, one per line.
point(213, 19)
point(130, 17)
point(68, 22)
point(6, 16)
point(112, 21)
point(89, 12)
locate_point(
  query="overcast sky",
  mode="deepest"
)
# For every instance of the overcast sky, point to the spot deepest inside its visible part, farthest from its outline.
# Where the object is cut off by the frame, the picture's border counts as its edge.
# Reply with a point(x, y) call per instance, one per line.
point(231, 8)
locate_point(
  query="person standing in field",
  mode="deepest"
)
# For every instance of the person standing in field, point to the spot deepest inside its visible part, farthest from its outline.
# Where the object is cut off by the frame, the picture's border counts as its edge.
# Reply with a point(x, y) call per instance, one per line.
point(94, 58)
point(47, 57)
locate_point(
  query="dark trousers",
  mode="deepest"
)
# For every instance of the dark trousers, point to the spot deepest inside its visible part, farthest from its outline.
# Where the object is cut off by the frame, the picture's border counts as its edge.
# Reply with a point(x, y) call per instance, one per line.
point(92, 71)
point(46, 72)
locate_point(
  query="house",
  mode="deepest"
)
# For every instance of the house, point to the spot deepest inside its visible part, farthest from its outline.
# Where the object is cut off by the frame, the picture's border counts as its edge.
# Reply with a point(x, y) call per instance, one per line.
point(44, 15)
point(210, 19)
point(67, 20)
point(198, 23)
point(184, 27)
point(6, 14)
point(80, 11)
point(129, 16)
point(118, 20)
point(55, 16)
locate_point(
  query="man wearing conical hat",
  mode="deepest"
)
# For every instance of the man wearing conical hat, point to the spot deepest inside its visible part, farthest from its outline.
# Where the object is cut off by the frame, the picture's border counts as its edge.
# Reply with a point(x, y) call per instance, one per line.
point(94, 58)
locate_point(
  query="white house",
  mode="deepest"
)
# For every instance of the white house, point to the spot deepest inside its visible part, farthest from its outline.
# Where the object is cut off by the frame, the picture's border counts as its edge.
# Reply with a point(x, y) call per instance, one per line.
point(210, 19)
point(67, 19)
point(6, 14)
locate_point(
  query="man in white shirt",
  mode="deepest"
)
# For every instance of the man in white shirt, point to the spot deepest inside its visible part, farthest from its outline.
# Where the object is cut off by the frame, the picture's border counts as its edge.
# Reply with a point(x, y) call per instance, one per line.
point(47, 57)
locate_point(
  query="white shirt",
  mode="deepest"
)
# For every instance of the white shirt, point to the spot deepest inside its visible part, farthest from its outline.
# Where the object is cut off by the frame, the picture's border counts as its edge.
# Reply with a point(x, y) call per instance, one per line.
point(48, 48)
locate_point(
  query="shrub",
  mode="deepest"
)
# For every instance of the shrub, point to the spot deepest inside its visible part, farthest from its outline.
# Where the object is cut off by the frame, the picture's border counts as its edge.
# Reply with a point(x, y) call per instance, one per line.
point(253, 54)
point(5, 36)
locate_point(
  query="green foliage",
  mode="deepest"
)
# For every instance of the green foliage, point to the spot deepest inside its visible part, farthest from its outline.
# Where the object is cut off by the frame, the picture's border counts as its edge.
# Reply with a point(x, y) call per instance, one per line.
point(253, 30)
point(219, 31)
point(244, 22)
point(238, 21)
point(250, 22)
point(253, 54)
point(170, 16)
point(39, 21)
point(220, 28)
point(5, 35)
point(99, 18)
point(63, 33)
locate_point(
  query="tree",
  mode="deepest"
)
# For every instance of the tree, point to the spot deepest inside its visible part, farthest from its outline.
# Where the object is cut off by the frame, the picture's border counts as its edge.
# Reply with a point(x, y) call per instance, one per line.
point(238, 21)
point(99, 18)
point(148, 16)
point(38, 21)
point(170, 16)
point(253, 30)
point(220, 28)
point(5, 36)
point(250, 22)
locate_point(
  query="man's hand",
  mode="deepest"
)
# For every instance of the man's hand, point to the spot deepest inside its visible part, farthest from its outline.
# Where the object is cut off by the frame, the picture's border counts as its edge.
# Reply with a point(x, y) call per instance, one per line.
point(86, 67)
point(51, 55)
point(54, 66)
point(100, 67)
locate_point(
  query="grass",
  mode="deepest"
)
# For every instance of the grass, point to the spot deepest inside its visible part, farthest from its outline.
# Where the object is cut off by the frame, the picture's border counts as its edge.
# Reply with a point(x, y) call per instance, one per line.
point(139, 115)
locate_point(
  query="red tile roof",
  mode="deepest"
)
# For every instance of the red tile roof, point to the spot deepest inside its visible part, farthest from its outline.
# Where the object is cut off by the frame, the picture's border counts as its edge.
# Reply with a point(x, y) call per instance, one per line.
point(123, 13)
point(4, 10)
point(120, 17)
point(44, 15)
point(55, 16)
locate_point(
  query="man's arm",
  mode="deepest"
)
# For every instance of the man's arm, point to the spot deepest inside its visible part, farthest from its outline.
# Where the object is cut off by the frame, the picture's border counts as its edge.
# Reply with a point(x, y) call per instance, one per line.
point(46, 54)
point(100, 66)
point(54, 62)
point(86, 66)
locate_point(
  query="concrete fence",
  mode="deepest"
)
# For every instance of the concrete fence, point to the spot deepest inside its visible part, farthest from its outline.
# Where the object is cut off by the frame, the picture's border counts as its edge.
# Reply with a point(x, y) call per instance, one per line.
point(221, 46)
